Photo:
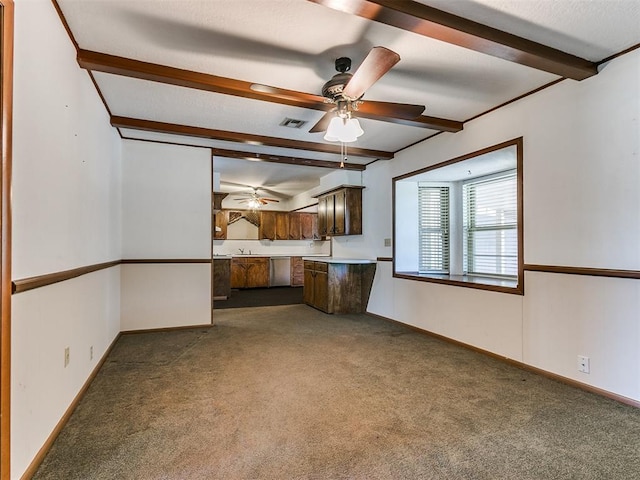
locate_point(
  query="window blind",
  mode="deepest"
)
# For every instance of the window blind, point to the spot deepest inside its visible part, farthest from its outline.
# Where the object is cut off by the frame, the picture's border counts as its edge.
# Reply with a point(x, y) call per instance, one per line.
point(433, 254)
point(490, 227)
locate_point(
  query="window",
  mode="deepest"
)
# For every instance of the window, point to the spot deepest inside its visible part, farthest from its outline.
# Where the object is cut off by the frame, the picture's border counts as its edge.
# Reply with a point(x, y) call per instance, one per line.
point(490, 227)
point(459, 222)
point(434, 229)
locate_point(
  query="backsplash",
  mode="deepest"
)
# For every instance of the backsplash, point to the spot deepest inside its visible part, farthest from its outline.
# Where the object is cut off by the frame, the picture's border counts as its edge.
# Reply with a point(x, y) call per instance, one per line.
point(275, 247)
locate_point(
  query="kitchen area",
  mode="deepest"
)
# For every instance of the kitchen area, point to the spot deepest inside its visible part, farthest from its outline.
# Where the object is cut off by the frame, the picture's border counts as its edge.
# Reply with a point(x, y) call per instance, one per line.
point(259, 248)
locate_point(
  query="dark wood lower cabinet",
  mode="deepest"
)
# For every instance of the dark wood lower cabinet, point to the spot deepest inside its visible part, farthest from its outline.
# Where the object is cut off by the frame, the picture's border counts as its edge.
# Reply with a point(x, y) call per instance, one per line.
point(297, 272)
point(221, 278)
point(338, 287)
point(249, 272)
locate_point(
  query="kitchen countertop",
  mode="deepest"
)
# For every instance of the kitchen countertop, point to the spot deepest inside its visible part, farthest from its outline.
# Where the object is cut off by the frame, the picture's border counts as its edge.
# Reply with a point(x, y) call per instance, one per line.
point(340, 260)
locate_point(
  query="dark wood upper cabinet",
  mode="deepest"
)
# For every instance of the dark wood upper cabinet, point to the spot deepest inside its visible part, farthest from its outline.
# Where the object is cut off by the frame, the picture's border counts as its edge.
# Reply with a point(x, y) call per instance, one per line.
point(307, 226)
point(295, 226)
point(220, 225)
point(267, 225)
point(273, 225)
point(340, 212)
point(322, 217)
point(282, 226)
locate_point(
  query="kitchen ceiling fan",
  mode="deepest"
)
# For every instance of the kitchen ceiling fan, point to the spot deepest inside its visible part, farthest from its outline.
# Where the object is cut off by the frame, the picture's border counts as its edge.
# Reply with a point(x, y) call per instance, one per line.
point(253, 200)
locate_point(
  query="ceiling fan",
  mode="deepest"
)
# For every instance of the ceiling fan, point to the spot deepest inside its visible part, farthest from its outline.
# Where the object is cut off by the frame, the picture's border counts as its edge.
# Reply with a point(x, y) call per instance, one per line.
point(345, 90)
point(253, 200)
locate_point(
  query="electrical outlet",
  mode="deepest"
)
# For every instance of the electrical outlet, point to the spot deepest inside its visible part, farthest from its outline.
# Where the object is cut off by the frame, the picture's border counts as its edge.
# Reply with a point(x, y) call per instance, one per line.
point(66, 356)
point(387, 242)
point(583, 364)
point(91, 352)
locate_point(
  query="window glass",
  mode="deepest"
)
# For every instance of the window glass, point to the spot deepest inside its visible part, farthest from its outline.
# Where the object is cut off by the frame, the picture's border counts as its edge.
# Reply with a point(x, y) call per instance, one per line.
point(490, 226)
point(433, 208)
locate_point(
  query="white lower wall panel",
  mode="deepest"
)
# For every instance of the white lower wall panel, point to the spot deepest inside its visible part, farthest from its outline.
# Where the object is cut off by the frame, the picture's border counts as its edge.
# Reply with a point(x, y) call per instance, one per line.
point(488, 320)
point(598, 317)
point(165, 295)
point(379, 300)
point(78, 313)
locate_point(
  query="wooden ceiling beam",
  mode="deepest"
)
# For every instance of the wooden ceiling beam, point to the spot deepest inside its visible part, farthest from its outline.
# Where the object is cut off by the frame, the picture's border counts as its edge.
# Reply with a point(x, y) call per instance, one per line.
point(127, 67)
point(175, 129)
point(102, 62)
point(268, 157)
point(433, 23)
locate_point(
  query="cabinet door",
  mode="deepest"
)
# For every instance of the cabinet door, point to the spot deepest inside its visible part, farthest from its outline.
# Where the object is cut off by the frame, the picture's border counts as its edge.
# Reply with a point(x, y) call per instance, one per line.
point(306, 226)
point(257, 272)
point(267, 226)
point(282, 226)
point(308, 289)
point(220, 221)
point(297, 271)
point(221, 277)
point(330, 206)
point(321, 287)
point(339, 212)
point(295, 226)
point(238, 273)
point(314, 227)
point(322, 216)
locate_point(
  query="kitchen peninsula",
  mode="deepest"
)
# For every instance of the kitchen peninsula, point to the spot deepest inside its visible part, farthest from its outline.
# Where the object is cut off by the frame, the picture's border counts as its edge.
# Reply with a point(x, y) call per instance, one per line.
point(338, 285)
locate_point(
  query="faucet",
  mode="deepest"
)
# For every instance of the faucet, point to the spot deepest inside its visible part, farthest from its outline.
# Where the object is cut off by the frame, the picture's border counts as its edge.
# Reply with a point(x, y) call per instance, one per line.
point(241, 251)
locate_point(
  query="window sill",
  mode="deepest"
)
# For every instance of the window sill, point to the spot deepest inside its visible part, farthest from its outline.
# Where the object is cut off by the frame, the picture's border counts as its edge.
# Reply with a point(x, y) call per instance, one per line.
point(481, 283)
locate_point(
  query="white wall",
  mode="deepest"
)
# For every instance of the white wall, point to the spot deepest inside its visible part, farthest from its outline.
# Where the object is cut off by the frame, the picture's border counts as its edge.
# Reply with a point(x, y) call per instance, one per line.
point(66, 214)
point(581, 209)
point(166, 203)
point(165, 295)
point(298, 248)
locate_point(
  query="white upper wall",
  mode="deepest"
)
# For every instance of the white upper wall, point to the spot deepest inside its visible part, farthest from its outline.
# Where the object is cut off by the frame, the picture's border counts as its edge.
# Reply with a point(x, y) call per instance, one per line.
point(166, 201)
point(581, 166)
point(66, 156)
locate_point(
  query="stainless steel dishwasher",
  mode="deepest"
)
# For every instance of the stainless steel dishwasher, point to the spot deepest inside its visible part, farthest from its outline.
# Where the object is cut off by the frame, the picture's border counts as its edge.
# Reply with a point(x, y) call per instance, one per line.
point(279, 271)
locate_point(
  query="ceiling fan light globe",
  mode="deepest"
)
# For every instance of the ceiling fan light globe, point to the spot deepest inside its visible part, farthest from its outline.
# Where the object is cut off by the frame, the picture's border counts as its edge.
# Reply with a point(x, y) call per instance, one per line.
point(343, 130)
point(334, 129)
point(353, 127)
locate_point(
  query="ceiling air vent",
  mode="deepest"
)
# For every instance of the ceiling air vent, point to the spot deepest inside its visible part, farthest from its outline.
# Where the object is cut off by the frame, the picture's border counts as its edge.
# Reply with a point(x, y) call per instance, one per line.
point(292, 123)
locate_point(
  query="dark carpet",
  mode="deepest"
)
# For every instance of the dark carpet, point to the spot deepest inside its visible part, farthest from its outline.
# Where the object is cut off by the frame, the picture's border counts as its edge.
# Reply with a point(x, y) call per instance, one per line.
point(261, 297)
point(287, 392)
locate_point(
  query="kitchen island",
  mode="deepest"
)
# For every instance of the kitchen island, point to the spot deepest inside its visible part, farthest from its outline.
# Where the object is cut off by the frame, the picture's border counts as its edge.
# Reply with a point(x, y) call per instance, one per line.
point(338, 285)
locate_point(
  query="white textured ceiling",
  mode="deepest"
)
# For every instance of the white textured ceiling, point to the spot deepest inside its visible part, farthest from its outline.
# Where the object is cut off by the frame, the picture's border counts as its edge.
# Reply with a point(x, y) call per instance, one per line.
point(292, 44)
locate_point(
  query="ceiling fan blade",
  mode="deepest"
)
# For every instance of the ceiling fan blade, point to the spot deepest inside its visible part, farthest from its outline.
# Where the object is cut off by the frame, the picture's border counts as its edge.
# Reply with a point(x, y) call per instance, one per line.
point(389, 109)
point(269, 199)
point(378, 62)
point(323, 123)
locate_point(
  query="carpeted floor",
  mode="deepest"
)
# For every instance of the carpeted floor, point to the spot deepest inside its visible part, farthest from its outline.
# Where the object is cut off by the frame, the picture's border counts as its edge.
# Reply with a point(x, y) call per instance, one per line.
point(260, 297)
point(287, 392)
